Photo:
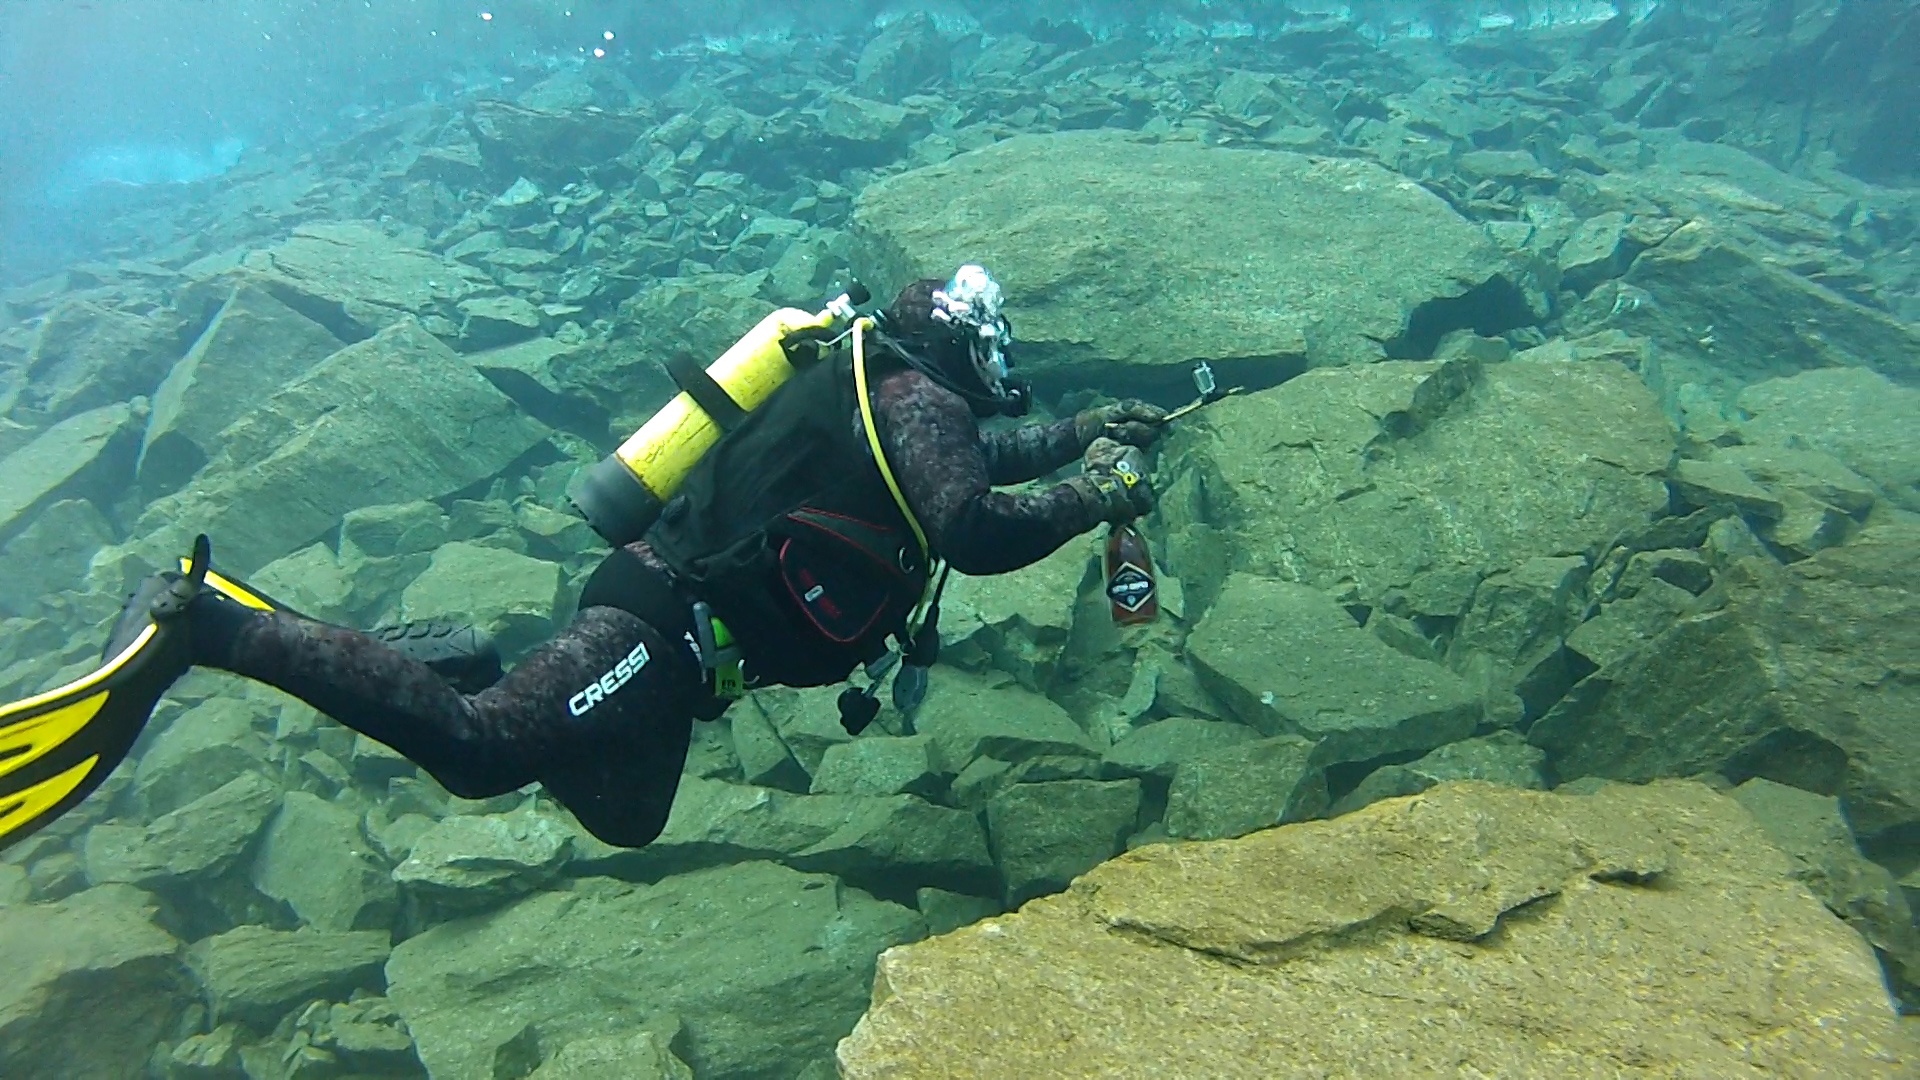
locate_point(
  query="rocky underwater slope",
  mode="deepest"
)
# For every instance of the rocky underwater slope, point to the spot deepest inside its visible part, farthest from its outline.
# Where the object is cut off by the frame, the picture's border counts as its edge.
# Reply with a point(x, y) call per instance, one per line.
point(1578, 447)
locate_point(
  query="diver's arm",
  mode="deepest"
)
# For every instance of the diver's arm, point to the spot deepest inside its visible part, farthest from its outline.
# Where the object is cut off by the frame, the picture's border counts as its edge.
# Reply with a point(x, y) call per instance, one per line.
point(1016, 455)
point(934, 448)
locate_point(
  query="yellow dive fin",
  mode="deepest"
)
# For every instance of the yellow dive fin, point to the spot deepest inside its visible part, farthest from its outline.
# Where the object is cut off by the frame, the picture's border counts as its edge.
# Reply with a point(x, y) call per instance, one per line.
point(58, 746)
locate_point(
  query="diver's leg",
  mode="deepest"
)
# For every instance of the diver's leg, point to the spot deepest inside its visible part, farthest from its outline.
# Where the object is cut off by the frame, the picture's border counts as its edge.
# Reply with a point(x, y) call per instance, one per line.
point(535, 720)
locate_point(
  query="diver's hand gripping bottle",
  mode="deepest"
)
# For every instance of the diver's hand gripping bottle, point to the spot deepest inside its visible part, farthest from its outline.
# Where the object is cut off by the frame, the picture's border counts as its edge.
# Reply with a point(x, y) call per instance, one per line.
point(1131, 588)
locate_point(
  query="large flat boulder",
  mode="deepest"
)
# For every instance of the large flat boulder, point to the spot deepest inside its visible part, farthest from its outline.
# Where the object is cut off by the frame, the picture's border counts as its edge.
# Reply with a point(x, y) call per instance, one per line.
point(1468, 930)
point(768, 967)
point(1407, 483)
point(355, 280)
point(399, 416)
point(94, 984)
point(1116, 249)
point(254, 346)
point(1797, 676)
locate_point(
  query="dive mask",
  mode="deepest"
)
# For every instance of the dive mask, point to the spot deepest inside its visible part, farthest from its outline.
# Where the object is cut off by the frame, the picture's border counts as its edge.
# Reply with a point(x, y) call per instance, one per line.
point(970, 305)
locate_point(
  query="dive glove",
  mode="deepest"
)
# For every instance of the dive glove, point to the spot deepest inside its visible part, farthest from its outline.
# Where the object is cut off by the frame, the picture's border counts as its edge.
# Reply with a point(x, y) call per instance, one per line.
point(1133, 422)
point(1113, 484)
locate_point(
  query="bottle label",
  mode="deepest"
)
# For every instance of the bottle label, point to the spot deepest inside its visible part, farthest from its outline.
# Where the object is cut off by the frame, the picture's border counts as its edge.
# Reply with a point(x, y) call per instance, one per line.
point(1130, 588)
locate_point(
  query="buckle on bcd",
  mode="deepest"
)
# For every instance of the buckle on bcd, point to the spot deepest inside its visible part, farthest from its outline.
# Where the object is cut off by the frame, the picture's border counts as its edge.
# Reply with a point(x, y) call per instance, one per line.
point(719, 658)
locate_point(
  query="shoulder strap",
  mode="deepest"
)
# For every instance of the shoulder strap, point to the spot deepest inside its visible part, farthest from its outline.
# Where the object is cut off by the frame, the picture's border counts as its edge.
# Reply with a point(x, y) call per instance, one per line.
point(873, 437)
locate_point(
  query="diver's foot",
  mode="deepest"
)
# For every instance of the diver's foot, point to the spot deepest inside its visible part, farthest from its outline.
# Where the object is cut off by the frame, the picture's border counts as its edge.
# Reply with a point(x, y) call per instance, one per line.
point(464, 655)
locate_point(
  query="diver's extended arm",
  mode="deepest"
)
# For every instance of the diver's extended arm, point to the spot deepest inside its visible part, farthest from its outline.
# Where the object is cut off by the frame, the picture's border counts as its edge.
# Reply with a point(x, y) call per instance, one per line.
point(936, 451)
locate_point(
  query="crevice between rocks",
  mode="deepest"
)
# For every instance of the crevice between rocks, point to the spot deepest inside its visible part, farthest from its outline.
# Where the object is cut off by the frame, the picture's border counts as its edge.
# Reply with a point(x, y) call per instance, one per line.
point(1167, 385)
point(1489, 309)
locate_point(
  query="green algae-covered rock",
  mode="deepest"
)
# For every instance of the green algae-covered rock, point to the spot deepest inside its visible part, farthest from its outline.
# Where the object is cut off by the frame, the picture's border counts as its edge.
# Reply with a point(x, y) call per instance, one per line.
point(893, 843)
point(1113, 248)
point(1409, 482)
point(1289, 660)
point(1045, 835)
point(1812, 829)
point(639, 1056)
point(1236, 790)
point(471, 861)
point(970, 717)
point(197, 842)
point(395, 417)
point(198, 751)
point(315, 857)
point(1157, 749)
point(254, 346)
point(489, 322)
point(767, 966)
point(58, 463)
point(93, 985)
point(255, 974)
point(1857, 416)
point(88, 355)
point(355, 280)
point(59, 545)
point(1726, 312)
point(1018, 623)
point(1504, 757)
point(1787, 678)
point(880, 765)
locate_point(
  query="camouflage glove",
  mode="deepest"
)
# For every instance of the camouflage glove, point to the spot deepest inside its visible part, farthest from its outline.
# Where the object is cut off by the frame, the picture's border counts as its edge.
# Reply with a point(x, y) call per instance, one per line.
point(1135, 423)
point(1113, 485)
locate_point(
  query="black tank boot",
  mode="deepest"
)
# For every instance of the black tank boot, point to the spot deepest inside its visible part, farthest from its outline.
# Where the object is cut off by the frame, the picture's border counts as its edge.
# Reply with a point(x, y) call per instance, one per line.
point(464, 655)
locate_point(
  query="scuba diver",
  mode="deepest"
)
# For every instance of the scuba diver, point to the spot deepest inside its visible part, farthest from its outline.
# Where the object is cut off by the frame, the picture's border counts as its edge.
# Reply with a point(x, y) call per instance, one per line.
point(818, 523)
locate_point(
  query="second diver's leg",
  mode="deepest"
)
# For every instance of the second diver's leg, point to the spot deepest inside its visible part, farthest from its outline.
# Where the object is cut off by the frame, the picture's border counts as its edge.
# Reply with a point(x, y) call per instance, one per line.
point(614, 744)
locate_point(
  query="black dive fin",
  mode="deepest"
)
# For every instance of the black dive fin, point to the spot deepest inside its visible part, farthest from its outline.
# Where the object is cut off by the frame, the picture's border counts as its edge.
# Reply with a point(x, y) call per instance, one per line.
point(58, 746)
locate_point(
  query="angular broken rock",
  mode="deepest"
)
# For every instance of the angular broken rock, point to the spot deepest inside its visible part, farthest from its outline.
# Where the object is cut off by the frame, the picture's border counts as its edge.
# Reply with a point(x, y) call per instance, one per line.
point(57, 463)
point(474, 861)
point(315, 858)
point(355, 280)
point(195, 843)
point(1018, 623)
point(422, 423)
point(1788, 678)
point(1288, 660)
point(255, 974)
point(1812, 829)
point(1504, 757)
point(93, 985)
point(1860, 417)
point(1653, 926)
point(892, 844)
point(1239, 789)
point(1044, 835)
point(253, 347)
point(601, 957)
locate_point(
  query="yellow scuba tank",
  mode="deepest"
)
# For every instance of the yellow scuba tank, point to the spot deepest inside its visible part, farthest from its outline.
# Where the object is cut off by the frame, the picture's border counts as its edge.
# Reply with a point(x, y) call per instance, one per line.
point(623, 494)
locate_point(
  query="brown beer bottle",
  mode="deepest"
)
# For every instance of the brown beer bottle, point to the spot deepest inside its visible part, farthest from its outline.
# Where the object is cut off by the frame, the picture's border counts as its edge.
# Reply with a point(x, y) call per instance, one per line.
point(1130, 585)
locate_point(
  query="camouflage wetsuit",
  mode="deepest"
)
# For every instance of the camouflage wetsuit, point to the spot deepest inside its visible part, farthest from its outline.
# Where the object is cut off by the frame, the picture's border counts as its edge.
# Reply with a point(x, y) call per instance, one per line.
point(616, 765)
